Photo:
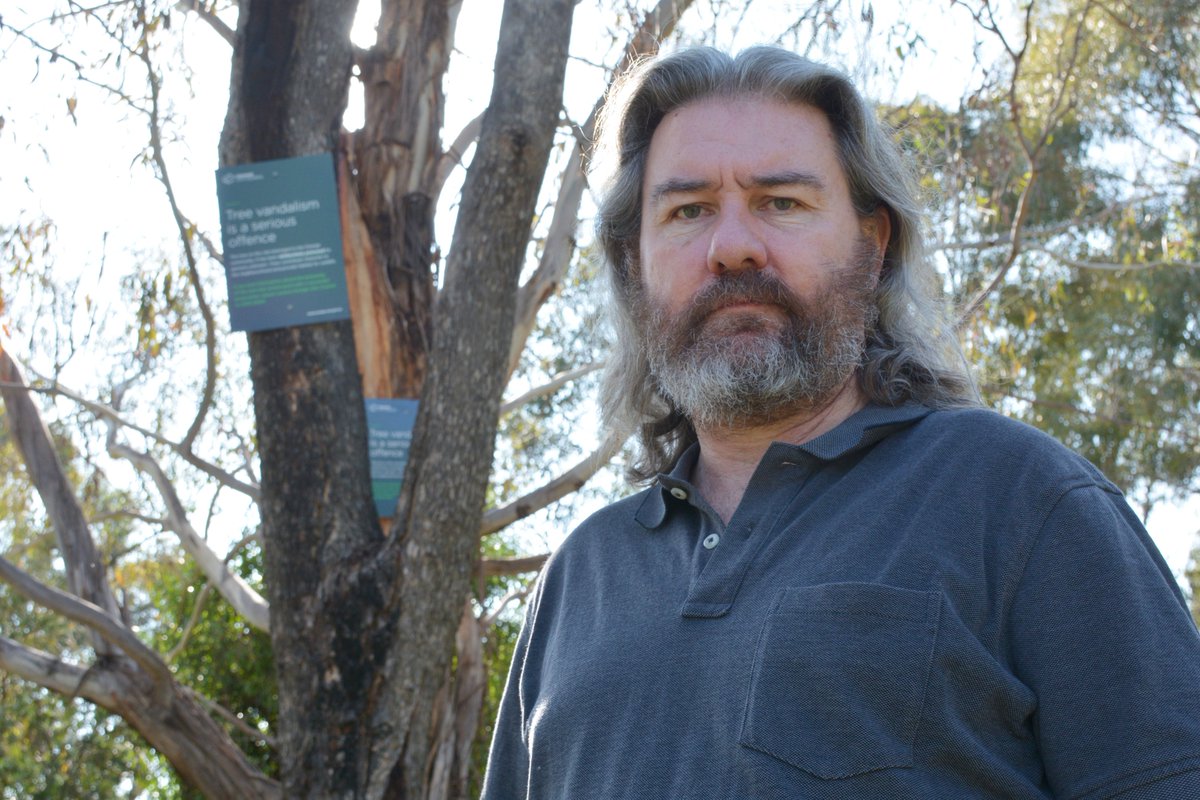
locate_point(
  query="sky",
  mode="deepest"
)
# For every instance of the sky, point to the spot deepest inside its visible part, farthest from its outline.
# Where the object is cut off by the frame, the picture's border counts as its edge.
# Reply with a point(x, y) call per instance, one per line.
point(69, 154)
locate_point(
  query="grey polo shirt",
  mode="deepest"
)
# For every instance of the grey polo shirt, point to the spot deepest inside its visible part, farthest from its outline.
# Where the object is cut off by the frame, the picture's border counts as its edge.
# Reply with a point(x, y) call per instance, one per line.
point(913, 605)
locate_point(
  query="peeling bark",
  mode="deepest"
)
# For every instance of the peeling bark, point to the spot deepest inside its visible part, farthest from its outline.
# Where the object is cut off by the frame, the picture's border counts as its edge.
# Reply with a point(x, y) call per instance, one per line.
point(396, 156)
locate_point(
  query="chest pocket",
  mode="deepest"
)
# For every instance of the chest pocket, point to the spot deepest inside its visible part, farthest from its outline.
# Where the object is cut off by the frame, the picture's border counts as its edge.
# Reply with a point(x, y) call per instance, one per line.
point(840, 676)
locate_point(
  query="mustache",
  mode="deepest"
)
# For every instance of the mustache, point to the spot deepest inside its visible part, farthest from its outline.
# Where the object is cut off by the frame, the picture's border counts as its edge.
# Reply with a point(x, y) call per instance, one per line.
point(745, 286)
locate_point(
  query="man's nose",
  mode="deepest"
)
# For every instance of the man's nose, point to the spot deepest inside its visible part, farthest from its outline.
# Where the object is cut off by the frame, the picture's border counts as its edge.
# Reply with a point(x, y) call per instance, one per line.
point(735, 244)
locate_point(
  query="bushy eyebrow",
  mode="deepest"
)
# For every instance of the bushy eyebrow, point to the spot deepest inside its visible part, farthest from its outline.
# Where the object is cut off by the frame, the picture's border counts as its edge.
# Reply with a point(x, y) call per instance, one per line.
point(771, 180)
point(677, 186)
point(791, 178)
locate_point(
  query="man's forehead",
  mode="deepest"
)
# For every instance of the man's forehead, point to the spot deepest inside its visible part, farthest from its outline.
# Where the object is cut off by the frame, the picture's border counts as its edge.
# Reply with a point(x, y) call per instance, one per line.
point(761, 142)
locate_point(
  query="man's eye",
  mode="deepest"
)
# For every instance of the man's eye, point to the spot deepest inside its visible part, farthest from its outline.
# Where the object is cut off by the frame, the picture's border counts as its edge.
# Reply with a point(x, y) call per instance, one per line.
point(690, 211)
point(783, 204)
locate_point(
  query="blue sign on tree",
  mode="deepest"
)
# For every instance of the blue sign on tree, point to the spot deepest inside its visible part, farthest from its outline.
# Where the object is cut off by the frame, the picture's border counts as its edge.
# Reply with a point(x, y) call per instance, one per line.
point(389, 431)
point(282, 238)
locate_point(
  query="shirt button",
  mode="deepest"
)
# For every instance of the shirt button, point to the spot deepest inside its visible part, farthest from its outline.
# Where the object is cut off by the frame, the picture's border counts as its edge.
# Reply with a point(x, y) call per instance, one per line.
point(711, 541)
point(678, 493)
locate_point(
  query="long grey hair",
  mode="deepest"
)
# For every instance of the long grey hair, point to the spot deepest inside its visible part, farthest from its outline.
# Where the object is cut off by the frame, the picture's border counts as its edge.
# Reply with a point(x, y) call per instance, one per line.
point(911, 352)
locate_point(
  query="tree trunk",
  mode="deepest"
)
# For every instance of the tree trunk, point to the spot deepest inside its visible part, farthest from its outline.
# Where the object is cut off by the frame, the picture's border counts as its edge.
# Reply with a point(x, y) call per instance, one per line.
point(436, 540)
point(372, 702)
point(456, 712)
point(320, 535)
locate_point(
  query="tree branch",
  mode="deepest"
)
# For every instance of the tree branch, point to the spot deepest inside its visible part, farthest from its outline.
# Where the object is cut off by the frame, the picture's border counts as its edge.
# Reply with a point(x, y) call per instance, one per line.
point(109, 414)
point(239, 724)
point(182, 226)
point(1043, 232)
point(69, 680)
point(1058, 110)
point(1015, 116)
point(87, 614)
point(80, 70)
point(560, 239)
point(1112, 266)
point(210, 247)
point(197, 608)
point(434, 536)
point(1014, 250)
point(657, 25)
point(84, 567)
point(454, 153)
point(495, 567)
point(244, 599)
point(513, 595)
point(560, 487)
point(169, 715)
point(216, 23)
point(557, 382)
point(556, 255)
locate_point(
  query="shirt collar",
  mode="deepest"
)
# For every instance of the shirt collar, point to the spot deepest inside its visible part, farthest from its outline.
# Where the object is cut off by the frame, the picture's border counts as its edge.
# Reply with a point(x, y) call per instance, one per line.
point(669, 487)
point(859, 431)
point(863, 429)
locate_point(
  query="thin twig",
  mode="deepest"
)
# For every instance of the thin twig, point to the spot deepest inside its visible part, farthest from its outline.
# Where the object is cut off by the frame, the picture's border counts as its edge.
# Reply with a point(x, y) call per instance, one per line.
point(108, 414)
point(174, 652)
point(216, 23)
point(233, 719)
point(181, 224)
point(80, 69)
point(516, 594)
point(1112, 266)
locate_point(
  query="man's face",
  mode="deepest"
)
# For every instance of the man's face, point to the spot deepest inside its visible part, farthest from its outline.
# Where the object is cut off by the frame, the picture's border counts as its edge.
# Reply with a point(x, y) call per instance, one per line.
point(756, 272)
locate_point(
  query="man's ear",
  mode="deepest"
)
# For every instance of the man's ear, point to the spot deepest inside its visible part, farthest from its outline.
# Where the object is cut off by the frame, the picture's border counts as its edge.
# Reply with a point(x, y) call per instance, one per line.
point(877, 226)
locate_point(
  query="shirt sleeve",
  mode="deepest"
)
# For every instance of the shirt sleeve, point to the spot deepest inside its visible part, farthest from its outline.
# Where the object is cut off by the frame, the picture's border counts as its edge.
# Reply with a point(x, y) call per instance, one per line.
point(1103, 636)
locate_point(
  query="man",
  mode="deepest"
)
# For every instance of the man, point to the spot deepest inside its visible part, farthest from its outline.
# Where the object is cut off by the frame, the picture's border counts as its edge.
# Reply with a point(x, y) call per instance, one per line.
point(846, 580)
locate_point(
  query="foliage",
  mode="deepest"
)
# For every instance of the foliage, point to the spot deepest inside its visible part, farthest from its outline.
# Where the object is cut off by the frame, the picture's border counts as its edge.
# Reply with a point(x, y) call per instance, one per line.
point(1080, 237)
point(60, 747)
point(217, 653)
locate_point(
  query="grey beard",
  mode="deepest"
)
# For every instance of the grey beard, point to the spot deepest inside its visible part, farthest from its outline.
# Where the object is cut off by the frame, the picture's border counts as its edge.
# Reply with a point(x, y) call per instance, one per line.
point(767, 371)
point(778, 375)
